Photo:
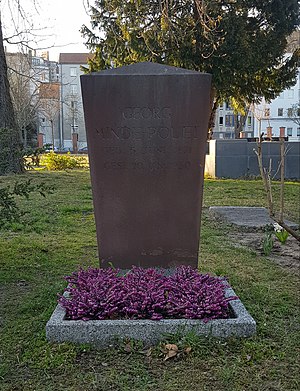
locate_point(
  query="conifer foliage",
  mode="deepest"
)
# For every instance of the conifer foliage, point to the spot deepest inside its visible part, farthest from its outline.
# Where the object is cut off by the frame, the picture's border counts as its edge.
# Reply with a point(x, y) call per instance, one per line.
point(241, 42)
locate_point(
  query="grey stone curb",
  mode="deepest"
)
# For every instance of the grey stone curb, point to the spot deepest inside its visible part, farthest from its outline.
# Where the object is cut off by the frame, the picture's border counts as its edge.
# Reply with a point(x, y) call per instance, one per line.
point(246, 217)
point(102, 333)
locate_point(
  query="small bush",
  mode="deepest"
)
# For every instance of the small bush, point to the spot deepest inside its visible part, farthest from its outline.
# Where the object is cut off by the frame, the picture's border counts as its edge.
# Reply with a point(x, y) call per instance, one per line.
point(144, 294)
point(54, 161)
point(32, 156)
point(10, 212)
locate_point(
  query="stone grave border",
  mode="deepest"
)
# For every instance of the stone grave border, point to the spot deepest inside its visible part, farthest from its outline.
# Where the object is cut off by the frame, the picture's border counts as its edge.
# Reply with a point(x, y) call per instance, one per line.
point(102, 333)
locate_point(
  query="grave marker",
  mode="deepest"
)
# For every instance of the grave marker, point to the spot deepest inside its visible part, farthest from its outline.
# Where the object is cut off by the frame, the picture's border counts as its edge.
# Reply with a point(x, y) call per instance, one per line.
point(146, 132)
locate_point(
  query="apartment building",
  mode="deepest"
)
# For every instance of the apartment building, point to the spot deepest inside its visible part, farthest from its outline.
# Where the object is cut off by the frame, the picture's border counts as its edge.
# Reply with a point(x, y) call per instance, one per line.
point(42, 69)
point(48, 114)
point(282, 112)
point(225, 123)
point(72, 127)
point(26, 73)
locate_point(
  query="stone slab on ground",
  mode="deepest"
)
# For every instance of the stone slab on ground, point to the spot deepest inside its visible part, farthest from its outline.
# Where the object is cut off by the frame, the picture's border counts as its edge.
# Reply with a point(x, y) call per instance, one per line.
point(102, 333)
point(245, 216)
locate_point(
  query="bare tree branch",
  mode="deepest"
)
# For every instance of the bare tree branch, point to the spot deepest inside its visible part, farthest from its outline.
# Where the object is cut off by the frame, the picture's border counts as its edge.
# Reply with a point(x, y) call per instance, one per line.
point(265, 174)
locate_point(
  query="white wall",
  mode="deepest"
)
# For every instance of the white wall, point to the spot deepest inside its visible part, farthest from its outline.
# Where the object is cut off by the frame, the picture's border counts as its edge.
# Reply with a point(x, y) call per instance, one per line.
point(284, 101)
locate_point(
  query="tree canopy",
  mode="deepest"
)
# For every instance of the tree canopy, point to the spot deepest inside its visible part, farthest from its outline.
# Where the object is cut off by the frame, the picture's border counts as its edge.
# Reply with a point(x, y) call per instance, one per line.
point(240, 42)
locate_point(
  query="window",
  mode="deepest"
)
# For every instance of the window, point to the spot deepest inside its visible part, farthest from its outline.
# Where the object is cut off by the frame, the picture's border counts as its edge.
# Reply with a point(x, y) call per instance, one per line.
point(73, 89)
point(227, 105)
point(267, 112)
point(290, 112)
point(249, 121)
point(73, 72)
point(221, 120)
point(298, 132)
point(289, 132)
point(229, 120)
point(280, 112)
point(74, 104)
point(35, 61)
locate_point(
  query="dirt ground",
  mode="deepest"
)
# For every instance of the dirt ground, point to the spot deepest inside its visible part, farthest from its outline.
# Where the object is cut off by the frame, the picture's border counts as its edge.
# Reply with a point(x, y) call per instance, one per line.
point(286, 255)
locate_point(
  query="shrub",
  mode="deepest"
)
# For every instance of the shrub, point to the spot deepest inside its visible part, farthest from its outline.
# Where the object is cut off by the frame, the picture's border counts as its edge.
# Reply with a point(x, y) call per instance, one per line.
point(9, 210)
point(144, 294)
point(32, 156)
point(54, 161)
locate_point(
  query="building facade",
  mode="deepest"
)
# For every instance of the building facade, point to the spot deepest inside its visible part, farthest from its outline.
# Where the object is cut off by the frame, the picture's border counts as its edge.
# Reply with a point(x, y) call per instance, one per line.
point(282, 112)
point(30, 75)
point(48, 113)
point(72, 128)
point(45, 78)
point(225, 123)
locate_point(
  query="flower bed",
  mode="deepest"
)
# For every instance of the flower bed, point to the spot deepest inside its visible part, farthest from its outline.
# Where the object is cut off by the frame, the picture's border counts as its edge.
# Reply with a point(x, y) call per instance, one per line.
point(103, 294)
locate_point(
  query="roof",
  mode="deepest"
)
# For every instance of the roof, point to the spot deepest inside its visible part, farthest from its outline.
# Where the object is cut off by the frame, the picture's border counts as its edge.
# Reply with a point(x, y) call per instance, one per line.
point(74, 58)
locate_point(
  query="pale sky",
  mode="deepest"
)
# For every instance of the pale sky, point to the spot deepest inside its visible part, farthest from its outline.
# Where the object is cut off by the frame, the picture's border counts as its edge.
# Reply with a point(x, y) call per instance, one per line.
point(57, 22)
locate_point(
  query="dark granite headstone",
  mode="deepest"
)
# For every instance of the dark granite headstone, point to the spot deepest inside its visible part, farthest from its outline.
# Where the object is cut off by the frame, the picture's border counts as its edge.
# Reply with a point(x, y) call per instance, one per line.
point(146, 132)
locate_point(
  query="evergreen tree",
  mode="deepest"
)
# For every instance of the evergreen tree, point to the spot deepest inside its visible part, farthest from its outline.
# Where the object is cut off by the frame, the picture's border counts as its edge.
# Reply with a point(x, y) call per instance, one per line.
point(240, 42)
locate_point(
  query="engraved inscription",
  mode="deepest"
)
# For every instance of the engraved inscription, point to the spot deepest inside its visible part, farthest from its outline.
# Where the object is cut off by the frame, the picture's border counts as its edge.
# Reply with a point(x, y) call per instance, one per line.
point(151, 113)
point(148, 133)
point(156, 165)
point(148, 149)
point(147, 155)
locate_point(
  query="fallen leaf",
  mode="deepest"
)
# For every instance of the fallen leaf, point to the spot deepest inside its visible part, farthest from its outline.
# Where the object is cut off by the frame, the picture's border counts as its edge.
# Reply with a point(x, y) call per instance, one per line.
point(171, 346)
point(104, 364)
point(170, 350)
point(188, 350)
point(149, 352)
point(170, 354)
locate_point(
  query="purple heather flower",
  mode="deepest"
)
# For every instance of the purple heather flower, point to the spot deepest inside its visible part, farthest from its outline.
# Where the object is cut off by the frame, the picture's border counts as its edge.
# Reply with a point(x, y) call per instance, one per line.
point(144, 294)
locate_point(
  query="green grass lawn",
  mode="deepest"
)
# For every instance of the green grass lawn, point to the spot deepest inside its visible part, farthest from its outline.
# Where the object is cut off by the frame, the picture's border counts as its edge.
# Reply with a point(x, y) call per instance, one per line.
point(58, 235)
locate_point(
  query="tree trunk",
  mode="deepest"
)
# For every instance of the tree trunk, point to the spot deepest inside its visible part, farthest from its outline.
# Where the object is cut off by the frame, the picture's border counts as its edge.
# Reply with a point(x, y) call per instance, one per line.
point(24, 141)
point(10, 147)
point(282, 158)
point(214, 105)
point(265, 178)
point(240, 121)
point(236, 126)
point(52, 133)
